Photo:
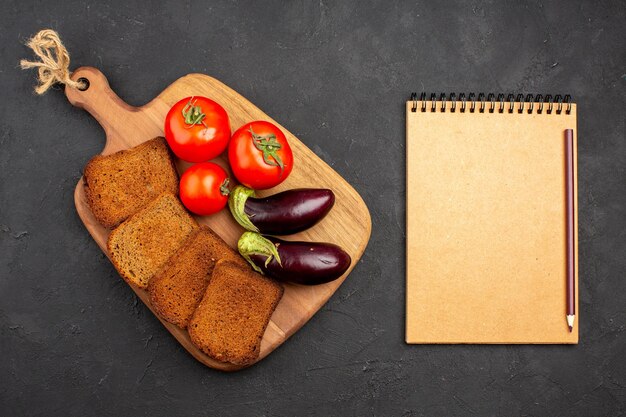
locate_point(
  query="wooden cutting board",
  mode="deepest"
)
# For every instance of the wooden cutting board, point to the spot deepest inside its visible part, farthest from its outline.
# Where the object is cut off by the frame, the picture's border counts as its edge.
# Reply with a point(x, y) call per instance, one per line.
point(348, 224)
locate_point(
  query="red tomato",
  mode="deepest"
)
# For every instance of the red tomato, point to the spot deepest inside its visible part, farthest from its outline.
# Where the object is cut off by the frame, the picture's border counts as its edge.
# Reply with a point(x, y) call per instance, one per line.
point(197, 129)
point(259, 155)
point(204, 188)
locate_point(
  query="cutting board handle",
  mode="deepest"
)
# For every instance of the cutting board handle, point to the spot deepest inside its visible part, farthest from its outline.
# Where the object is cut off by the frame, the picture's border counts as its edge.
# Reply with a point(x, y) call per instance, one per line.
point(123, 124)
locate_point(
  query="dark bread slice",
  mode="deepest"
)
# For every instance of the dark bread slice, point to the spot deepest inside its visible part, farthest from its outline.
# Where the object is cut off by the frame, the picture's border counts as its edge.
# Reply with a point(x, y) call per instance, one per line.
point(231, 319)
point(141, 245)
point(179, 286)
point(120, 184)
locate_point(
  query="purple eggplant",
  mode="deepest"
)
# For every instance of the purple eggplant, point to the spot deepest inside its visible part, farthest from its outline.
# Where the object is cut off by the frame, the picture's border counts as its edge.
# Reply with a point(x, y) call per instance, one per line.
point(280, 214)
point(306, 263)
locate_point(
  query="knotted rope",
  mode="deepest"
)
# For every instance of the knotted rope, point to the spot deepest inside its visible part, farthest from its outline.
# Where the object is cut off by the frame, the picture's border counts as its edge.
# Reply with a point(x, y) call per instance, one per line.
point(54, 63)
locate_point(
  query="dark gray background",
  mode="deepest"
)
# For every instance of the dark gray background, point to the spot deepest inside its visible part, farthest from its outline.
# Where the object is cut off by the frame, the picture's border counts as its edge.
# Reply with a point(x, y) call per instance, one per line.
point(74, 340)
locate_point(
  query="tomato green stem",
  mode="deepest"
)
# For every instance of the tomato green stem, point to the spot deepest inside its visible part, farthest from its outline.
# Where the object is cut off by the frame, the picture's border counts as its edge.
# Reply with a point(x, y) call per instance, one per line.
point(224, 190)
point(193, 114)
point(269, 145)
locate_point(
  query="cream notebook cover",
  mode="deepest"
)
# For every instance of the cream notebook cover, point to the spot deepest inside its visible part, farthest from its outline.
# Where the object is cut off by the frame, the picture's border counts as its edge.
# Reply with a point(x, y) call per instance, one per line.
point(486, 221)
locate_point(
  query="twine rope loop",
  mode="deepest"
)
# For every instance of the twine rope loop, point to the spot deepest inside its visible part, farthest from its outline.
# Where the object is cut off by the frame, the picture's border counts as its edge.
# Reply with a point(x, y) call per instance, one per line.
point(54, 61)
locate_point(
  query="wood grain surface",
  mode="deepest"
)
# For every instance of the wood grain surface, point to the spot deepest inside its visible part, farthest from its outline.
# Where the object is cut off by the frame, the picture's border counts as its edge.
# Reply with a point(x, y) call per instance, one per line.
point(348, 224)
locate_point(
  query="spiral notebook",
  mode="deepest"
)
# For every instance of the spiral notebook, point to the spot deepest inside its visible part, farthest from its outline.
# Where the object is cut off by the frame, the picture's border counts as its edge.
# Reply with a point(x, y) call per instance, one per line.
point(486, 221)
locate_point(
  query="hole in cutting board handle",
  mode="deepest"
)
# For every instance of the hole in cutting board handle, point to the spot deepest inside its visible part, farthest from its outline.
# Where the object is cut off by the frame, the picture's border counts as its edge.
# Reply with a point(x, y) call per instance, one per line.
point(84, 81)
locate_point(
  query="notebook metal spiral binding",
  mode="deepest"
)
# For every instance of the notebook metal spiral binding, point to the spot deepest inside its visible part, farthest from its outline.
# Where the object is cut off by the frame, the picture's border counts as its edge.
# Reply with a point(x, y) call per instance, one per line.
point(531, 103)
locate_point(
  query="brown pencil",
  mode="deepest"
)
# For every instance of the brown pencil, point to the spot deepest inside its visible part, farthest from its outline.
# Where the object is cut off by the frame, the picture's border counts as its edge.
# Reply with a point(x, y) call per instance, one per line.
point(571, 253)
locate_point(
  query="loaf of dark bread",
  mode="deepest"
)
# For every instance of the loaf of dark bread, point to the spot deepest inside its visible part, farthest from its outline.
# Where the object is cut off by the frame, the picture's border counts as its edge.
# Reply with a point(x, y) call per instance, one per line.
point(141, 245)
point(120, 184)
point(178, 287)
point(230, 321)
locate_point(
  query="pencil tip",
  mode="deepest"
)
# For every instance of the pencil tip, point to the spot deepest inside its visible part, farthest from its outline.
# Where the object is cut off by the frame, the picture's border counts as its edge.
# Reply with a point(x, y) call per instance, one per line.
point(570, 328)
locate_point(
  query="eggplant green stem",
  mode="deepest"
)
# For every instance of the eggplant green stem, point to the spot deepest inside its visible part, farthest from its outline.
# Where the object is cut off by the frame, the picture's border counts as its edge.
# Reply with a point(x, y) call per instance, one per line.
point(237, 205)
point(252, 243)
